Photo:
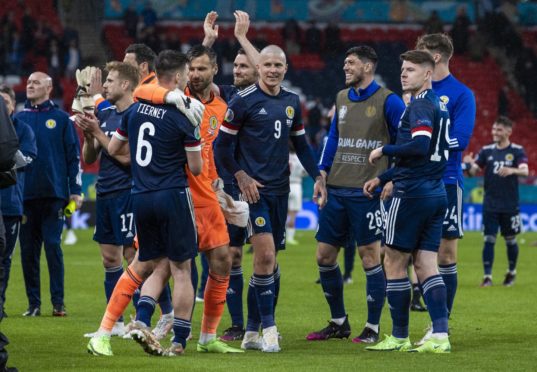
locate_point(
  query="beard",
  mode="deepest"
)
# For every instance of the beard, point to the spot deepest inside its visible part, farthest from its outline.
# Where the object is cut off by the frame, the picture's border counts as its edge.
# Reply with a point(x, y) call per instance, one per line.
point(357, 80)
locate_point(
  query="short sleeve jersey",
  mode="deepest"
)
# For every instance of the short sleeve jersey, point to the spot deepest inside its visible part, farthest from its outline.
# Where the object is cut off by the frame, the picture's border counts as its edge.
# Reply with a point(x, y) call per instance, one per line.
point(263, 124)
point(421, 175)
point(113, 176)
point(159, 137)
point(501, 193)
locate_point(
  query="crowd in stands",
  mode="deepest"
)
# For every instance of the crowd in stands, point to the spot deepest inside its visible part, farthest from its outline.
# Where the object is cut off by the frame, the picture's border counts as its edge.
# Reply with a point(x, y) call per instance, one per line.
point(30, 42)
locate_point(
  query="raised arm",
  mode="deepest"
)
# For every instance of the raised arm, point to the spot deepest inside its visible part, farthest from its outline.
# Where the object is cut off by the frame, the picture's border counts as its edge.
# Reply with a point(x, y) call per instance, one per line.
point(210, 29)
point(242, 23)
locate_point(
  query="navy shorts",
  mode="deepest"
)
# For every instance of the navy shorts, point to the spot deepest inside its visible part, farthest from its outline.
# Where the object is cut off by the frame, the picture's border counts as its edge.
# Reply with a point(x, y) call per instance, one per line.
point(509, 224)
point(452, 226)
point(415, 223)
point(165, 224)
point(237, 235)
point(346, 216)
point(269, 215)
point(114, 223)
point(384, 208)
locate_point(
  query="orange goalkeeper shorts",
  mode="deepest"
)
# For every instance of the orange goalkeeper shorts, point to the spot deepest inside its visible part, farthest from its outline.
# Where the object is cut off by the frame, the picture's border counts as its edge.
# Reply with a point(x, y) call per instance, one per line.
point(212, 227)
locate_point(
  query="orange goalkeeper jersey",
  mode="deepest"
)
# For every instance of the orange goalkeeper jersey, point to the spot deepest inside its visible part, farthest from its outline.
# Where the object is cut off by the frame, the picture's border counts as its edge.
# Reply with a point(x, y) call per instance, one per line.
point(201, 186)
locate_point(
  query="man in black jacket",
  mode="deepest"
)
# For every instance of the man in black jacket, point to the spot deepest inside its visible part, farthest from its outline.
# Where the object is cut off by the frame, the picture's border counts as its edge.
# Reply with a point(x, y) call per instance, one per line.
point(9, 145)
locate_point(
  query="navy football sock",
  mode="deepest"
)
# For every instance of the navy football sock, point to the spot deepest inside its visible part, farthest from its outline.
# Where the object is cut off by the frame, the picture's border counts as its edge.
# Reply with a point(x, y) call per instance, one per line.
point(181, 330)
point(234, 296)
point(488, 257)
point(449, 276)
point(434, 292)
point(194, 279)
point(264, 293)
point(376, 293)
point(111, 276)
point(512, 253)
point(136, 297)
point(254, 320)
point(145, 309)
point(165, 300)
point(332, 283)
point(277, 275)
point(399, 293)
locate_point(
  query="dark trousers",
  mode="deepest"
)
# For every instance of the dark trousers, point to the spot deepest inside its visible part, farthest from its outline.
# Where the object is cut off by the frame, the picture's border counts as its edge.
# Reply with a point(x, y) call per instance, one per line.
point(12, 225)
point(2, 253)
point(42, 223)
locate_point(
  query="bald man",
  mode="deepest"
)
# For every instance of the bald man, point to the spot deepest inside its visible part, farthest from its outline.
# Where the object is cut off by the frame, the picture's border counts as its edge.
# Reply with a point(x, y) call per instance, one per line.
point(253, 146)
point(52, 180)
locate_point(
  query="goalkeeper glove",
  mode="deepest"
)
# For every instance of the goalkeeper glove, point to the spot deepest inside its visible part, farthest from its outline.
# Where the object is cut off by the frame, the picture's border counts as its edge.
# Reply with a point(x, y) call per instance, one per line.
point(236, 212)
point(83, 102)
point(190, 107)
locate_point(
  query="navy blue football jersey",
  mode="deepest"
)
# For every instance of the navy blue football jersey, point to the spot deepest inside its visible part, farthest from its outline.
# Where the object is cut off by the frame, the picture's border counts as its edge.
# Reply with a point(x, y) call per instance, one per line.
point(113, 176)
point(421, 175)
point(263, 124)
point(159, 137)
point(501, 193)
point(227, 92)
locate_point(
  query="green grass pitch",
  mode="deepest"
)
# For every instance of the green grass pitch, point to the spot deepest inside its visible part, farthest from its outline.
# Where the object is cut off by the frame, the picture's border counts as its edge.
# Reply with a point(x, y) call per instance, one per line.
point(491, 328)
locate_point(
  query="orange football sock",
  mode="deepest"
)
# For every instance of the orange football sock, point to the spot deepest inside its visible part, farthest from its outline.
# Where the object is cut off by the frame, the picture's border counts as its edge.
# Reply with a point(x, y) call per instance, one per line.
point(121, 297)
point(214, 301)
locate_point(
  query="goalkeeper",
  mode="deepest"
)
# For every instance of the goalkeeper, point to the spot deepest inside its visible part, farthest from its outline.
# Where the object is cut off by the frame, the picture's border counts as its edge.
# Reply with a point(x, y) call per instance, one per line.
point(143, 57)
point(210, 204)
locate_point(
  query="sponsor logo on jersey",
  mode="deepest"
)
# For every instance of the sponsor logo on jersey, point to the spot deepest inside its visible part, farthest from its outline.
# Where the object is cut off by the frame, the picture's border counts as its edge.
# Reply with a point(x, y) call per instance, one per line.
point(50, 123)
point(103, 125)
point(260, 221)
point(370, 111)
point(509, 157)
point(290, 112)
point(262, 111)
point(342, 112)
point(230, 115)
point(444, 99)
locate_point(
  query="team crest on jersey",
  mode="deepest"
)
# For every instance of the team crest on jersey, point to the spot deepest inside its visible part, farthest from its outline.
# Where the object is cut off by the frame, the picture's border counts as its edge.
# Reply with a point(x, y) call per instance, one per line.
point(342, 112)
point(290, 112)
point(370, 111)
point(50, 123)
point(509, 157)
point(229, 115)
point(444, 99)
point(213, 124)
point(260, 221)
